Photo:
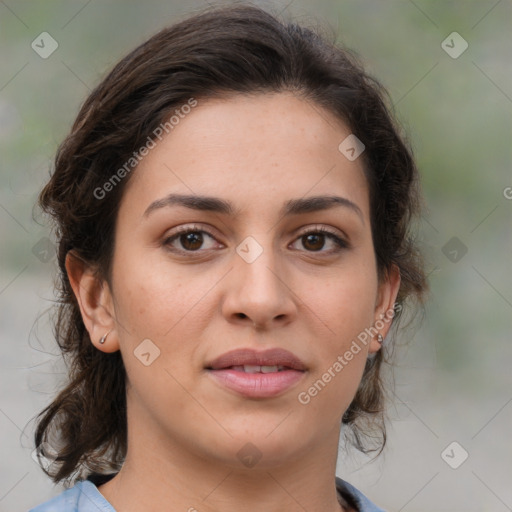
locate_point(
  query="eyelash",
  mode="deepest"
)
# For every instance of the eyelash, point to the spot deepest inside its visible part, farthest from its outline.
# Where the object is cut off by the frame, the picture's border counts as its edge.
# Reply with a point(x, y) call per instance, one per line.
point(182, 230)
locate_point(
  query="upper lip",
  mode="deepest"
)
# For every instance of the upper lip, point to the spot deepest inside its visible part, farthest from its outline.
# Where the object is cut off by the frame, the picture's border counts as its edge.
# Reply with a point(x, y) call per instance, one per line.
point(248, 356)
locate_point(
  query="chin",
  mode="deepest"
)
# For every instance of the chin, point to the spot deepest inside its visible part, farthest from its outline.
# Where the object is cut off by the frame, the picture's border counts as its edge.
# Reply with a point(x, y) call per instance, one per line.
point(264, 446)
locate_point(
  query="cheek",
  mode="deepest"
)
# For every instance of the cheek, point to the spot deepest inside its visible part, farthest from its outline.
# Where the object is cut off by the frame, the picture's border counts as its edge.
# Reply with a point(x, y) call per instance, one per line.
point(346, 307)
point(172, 309)
point(150, 299)
point(154, 305)
point(346, 304)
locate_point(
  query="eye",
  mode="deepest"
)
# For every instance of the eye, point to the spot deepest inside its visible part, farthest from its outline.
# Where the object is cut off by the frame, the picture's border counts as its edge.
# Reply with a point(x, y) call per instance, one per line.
point(190, 238)
point(187, 239)
point(315, 240)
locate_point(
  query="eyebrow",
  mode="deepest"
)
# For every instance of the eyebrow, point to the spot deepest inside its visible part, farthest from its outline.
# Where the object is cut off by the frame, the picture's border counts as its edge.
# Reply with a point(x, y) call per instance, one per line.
point(217, 205)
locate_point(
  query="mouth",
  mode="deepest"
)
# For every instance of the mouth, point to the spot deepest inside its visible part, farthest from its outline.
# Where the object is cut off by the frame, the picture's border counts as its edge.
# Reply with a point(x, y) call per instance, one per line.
point(254, 374)
point(255, 368)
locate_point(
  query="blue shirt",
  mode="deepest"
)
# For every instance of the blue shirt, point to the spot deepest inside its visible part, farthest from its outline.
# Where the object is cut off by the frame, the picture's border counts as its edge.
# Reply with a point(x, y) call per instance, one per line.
point(84, 496)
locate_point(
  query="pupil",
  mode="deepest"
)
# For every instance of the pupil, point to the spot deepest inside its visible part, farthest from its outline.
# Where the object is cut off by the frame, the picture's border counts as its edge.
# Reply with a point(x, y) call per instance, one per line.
point(315, 242)
point(192, 241)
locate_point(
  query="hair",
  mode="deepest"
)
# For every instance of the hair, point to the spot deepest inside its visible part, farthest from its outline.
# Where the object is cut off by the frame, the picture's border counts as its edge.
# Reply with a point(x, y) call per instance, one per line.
point(217, 52)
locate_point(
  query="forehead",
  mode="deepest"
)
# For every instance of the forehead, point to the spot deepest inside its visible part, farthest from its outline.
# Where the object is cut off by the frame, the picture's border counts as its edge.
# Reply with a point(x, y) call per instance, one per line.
point(250, 149)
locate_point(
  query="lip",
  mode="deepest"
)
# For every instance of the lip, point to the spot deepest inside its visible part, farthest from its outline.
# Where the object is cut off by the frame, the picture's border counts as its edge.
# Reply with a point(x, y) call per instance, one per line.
point(249, 356)
point(257, 385)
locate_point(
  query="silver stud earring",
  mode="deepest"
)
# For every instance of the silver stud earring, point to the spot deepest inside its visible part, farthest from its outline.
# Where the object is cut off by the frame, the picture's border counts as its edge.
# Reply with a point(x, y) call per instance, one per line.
point(104, 337)
point(380, 339)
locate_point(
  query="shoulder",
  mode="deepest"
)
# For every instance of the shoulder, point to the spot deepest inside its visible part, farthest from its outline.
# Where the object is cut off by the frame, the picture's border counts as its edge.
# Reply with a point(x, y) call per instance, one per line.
point(85, 497)
point(82, 497)
point(355, 497)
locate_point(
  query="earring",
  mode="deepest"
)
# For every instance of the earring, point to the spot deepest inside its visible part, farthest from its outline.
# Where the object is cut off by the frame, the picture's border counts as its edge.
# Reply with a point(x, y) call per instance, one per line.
point(380, 339)
point(104, 337)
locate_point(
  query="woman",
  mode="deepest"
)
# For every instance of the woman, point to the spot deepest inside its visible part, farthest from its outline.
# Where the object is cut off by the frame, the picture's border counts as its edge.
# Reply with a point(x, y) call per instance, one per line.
point(233, 206)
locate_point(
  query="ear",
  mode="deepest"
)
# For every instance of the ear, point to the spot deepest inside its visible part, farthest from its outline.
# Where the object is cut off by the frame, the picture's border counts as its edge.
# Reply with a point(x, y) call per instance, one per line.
point(95, 300)
point(384, 306)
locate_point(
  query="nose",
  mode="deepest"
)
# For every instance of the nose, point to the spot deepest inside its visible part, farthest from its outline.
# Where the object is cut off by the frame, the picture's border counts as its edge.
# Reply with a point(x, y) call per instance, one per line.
point(257, 293)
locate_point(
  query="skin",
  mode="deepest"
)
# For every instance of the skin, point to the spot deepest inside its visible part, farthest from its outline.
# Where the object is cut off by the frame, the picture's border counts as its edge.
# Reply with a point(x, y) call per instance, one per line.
point(184, 429)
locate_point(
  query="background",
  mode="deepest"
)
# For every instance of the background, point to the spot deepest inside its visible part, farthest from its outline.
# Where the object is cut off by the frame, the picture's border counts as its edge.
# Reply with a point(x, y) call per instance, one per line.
point(447, 68)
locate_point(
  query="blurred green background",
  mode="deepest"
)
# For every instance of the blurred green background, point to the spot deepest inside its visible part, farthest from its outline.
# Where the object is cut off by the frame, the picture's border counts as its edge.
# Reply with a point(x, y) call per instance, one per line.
point(453, 374)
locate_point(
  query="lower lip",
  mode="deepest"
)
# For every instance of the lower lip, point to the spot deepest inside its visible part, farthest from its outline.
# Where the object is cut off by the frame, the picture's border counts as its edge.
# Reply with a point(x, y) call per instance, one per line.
point(257, 385)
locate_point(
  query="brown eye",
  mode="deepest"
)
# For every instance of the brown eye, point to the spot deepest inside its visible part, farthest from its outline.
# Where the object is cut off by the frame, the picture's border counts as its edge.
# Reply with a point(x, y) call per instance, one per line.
point(190, 239)
point(317, 240)
point(313, 241)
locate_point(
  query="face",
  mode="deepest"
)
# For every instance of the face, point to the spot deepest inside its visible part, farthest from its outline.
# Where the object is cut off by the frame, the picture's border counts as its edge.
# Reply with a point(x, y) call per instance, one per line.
point(259, 266)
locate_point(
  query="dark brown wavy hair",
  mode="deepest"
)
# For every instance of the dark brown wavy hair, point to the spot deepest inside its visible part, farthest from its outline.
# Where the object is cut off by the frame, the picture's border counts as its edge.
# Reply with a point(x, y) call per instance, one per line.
point(219, 51)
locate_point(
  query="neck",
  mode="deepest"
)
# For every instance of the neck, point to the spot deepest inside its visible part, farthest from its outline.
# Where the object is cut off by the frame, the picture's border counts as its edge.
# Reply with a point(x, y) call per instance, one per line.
point(159, 473)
